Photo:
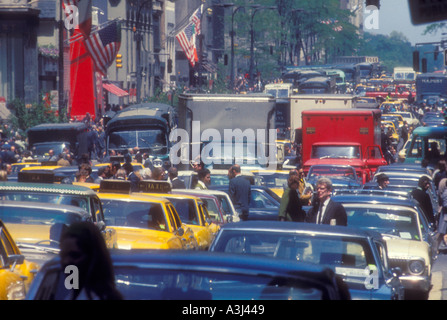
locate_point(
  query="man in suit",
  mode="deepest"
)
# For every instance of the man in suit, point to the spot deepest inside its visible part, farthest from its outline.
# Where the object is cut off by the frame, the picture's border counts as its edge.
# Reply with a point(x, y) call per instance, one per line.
point(239, 191)
point(175, 181)
point(324, 209)
point(420, 195)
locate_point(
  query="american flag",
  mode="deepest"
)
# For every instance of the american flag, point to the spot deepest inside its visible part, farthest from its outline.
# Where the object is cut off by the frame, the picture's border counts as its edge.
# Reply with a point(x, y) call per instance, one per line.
point(103, 46)
point(187, 37)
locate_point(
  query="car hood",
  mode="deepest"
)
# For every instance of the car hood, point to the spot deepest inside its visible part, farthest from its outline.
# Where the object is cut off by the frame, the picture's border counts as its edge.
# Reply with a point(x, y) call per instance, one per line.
point(138, 238)
point(406, 249)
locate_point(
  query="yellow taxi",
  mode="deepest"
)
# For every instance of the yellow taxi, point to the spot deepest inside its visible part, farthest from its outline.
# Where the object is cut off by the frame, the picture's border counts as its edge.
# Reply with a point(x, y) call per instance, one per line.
point(388, 125)
point(16, 273)
point(142, 221)
point(191, 209)
point(275, 180)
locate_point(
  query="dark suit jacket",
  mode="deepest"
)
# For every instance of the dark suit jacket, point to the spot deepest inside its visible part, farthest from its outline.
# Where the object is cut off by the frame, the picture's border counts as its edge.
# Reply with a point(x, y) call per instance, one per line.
point(425, 201)
point(334, 210)
point(178, 184)
point(240, 193)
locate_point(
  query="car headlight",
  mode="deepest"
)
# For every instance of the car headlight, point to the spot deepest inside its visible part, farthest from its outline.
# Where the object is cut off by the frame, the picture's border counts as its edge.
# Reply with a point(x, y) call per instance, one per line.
point(417, 266)
point(16, 291)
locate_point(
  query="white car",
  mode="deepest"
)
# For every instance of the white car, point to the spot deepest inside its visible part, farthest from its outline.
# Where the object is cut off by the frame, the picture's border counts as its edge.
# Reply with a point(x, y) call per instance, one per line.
point(410, 118)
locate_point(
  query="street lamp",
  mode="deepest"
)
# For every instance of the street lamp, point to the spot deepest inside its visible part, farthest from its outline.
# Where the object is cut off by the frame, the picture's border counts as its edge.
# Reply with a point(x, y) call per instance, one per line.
point(252, 41)
point(232, 33)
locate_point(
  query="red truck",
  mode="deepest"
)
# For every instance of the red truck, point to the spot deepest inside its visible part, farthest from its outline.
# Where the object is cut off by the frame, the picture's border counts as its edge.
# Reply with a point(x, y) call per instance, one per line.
point(343, 137)
point(396, 92)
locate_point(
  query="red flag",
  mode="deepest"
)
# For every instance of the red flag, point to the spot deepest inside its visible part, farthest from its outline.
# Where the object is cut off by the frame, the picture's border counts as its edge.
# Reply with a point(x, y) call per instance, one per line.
point(187, 37)
point(103, 46)
point(84, 14)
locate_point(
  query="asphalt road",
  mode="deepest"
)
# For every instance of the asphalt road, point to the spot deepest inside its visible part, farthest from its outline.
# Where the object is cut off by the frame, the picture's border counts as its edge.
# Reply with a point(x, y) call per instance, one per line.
point(439, 278)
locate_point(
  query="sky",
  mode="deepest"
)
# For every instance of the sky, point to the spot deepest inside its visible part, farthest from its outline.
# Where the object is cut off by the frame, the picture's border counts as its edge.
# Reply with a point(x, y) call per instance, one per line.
point(394, 15)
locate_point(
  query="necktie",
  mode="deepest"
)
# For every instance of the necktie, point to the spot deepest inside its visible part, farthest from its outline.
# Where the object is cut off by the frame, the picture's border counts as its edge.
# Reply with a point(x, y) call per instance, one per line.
point(320, 214)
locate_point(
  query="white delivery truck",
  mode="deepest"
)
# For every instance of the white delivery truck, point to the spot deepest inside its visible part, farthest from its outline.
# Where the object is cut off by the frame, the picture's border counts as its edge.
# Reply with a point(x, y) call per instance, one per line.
point(302, 102)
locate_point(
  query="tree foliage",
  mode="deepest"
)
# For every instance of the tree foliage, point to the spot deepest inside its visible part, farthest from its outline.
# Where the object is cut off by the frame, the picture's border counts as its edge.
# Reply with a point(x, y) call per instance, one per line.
point(393, 51)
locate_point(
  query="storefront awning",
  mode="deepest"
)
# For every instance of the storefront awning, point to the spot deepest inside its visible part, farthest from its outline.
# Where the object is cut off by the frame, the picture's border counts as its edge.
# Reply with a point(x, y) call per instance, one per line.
point(115, 90)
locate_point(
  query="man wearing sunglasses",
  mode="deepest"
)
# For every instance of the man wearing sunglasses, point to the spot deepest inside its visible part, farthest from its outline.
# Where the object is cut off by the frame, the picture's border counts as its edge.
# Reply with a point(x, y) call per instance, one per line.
point(324, 209)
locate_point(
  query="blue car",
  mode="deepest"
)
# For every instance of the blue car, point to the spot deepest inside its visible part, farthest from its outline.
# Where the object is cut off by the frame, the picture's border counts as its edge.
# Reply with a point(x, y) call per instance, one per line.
point(176, 275)
point(360, 257)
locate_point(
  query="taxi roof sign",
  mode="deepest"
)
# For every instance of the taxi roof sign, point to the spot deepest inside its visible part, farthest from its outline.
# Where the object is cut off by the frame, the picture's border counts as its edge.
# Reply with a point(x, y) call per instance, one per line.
point(38, 177)
point(114, 186)
point(154, 186)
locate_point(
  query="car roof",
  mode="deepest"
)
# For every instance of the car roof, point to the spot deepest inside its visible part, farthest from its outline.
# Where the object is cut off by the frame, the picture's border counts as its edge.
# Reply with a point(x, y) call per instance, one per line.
point(46, 187)
point(132, 196)
point(374, 198)
point(284, 226)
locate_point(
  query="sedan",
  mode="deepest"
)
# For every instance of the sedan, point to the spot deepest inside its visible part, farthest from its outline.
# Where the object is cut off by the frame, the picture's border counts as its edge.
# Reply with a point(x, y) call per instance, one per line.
point(203, 275)
point(410, 244)
point(360, 257)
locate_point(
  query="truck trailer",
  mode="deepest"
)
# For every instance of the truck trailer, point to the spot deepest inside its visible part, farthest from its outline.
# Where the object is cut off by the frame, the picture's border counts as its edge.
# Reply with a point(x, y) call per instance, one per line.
point(223, 129)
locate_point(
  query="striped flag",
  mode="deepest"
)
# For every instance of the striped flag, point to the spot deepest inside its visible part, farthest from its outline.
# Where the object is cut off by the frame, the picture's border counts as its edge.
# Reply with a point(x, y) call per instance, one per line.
point(81, 13)
point(187, 37)
point(103, 46)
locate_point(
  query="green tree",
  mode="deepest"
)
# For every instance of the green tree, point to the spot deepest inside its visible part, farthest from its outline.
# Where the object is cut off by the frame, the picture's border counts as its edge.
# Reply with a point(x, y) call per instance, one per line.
point(393, 51)
point(24, 116)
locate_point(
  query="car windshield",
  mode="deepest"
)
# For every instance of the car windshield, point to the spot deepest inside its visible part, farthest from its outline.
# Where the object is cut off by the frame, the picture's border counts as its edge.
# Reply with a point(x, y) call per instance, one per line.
point(135, 214)
point(332, 172)
point(348, 256)
point(186, 209)
point(273, 180)
point(401, 223)
point(154, 139)
point(212, 209)
point(335, 152)
point(45, 197)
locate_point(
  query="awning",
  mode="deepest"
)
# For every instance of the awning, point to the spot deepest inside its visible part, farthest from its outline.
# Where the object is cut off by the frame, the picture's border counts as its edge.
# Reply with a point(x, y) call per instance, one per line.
point(115, 90)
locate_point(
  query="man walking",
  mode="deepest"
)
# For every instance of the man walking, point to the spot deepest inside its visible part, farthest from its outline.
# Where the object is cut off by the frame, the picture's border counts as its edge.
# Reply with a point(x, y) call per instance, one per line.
point(239, 191)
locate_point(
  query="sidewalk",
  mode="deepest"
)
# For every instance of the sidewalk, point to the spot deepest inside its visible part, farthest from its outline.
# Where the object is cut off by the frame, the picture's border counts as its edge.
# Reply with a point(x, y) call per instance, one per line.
point(435, 292)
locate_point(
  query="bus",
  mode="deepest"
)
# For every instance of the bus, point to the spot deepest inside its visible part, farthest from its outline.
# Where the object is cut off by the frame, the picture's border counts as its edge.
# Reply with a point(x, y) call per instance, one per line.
point(317, 85)
point(404, 75)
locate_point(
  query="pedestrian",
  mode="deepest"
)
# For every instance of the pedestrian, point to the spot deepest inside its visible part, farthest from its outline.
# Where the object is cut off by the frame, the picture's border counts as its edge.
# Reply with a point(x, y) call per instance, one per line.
point(204, 181)
point(240, 191)
point(324, 209)
point(290, 208)
point(62, 161)
point(442, 219)
point(3, 175)
point(440, 174)
point(382, 180)
point(103, 173)
point(157, 173)
point(420, 195)
point(175, 181)
point(82, 245)
point(52, 156)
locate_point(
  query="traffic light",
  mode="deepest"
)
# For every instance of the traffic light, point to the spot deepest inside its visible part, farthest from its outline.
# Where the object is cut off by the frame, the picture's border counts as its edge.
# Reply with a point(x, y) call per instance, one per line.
point(375, 3)
point(436, 53)
point(119, 61)
point(169, 65)
point(416, 61)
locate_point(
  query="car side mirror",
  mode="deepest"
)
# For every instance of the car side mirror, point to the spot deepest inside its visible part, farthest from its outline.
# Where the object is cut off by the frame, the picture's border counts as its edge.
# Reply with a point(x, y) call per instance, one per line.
point(180, 231)
point(14, 260)
point(396, 272)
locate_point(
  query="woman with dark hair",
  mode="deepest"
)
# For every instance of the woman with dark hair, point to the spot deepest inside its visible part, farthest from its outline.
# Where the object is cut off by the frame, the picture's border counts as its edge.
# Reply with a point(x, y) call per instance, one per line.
point(82, 245)
point(290, 208)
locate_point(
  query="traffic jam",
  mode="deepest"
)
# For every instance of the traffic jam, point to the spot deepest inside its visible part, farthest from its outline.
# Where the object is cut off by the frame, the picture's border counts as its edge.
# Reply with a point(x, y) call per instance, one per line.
point(329, 183)
point(175, 224)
